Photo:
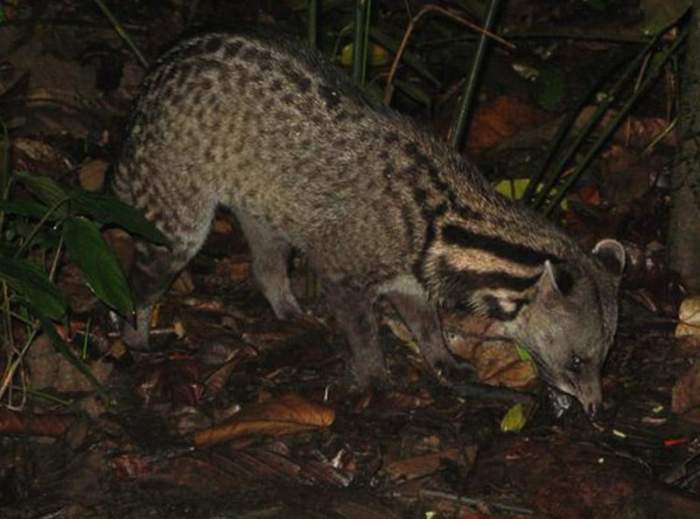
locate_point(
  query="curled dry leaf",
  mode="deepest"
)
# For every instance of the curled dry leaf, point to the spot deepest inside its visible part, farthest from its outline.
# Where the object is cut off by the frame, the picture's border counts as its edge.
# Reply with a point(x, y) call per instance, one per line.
point(469, 337)
point(496, 360)
point(286, 415)
point(689, 318)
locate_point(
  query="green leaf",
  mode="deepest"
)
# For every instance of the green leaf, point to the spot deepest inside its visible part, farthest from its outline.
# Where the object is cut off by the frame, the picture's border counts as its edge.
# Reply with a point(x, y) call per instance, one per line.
point(94, 257)
point(660, 14)
point(597, 5)
point(550, 88)
point(109, 210)
point(514, 420)
point(25, 208)
point(514, 189)
point(47, 190)
point(33, 285)
point(414, 93)
point(523, 354)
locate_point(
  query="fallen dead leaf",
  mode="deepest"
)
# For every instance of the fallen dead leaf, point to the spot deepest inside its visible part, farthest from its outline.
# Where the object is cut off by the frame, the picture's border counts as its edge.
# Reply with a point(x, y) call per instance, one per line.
point(495, 360)
point(685, 397)
point(689, 317)
point(286, 415)
point(499, 119)
point(92, 175)
point(222, 225)
point(183, 284)
point(12, 422)
point(637, 132)
point(177, 379)
point(36, 155)
point(420, 466)
point(235, 268)
point(626, 174)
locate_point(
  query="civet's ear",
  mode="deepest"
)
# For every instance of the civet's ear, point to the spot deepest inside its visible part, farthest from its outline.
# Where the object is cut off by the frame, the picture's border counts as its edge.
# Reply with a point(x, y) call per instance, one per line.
point(548, 289)
point(611, 255)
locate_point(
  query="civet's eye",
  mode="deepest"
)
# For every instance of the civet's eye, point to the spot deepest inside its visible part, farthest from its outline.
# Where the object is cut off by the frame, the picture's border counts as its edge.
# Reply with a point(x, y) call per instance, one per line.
point(576, 364)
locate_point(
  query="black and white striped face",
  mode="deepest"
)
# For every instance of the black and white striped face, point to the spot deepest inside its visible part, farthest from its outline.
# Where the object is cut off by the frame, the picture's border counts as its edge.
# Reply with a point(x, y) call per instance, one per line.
point(562, 308)
point(570, 322)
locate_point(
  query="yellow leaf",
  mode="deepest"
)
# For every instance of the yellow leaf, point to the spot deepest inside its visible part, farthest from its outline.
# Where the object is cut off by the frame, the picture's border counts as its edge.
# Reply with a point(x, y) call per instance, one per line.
point(378, 55)
point(514, 420)
point(515, 189)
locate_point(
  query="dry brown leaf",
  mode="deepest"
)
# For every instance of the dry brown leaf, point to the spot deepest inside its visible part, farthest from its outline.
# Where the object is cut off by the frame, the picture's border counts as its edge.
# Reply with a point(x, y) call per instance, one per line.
point(686, 391)
point(222, 225)
point(176, 379)
point(500, 119)
point(496, 361)
point(399, 400)
point(626, 174)
point(637, 132)
point(689, 317)
point(36, 155)
point(235, 268)
point(420, 466)
point(92, 175)
point(217, 380)
point(27, 423)
point(183, 284)
point(286, 415)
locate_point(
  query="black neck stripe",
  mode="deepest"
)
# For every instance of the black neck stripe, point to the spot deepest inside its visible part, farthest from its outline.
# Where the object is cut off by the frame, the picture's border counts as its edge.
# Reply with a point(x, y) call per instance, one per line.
point(459, 285)
point(515, 252)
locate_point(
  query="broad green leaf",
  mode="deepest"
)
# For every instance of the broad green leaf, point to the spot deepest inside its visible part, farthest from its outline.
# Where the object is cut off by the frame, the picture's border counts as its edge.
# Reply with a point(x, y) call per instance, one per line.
point(94, 257)
point(33, 285)
point(550, 88)
point(660, 14)
point(414, 93)
point(26, 208)
point(598, 5)
point(109, 210)
point(47, 190)
point(514, 420)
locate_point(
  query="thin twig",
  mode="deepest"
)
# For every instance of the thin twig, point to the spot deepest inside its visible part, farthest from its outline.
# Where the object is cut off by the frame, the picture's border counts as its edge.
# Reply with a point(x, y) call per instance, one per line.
point(389, 89)
point(476, 502)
